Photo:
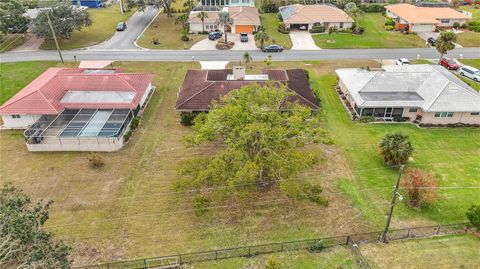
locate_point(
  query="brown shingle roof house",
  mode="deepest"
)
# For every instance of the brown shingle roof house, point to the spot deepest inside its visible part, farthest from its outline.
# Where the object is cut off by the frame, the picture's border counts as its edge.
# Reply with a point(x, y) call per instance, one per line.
point(201, 87)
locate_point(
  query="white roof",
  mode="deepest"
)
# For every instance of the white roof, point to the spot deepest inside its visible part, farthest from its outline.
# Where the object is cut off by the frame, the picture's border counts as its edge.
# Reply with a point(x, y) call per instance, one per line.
point(431, 87)
point(98, 97)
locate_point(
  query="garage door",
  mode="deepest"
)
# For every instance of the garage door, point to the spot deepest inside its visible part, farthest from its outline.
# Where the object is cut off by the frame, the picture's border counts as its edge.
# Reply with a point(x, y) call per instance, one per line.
point(244, 29)
point(422, 28)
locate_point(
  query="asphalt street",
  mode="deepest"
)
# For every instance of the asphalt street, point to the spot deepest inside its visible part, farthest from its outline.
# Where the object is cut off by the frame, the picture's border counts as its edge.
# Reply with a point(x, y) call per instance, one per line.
point(135, 26)
point(188, 55)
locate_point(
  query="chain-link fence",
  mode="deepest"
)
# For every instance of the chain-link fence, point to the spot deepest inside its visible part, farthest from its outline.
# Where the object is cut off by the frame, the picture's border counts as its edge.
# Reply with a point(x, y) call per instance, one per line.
point(314, 245)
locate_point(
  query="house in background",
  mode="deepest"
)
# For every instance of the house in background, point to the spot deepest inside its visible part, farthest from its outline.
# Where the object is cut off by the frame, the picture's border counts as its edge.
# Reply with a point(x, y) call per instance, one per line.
point(77, 109)
point(304, 17)
point(228, 3)
point(424, 19)
point(429, 94)
point(245, 20)
point(201, 87)
point(87, 3)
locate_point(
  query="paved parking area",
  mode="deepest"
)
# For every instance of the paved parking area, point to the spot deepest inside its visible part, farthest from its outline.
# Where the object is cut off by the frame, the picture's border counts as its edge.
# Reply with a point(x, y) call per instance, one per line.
point(302, 40)
point(207, 44)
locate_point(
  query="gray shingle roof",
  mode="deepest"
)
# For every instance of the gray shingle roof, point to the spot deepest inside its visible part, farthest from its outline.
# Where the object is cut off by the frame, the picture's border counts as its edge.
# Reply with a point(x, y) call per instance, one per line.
point(431, 87)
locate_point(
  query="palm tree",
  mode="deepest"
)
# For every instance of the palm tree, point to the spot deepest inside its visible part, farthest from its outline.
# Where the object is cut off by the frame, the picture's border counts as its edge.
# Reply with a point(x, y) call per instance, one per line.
point(446, 42)
point(262, 36)
point(396, 148)
point(182, 19)
point(354, 12)
point(246, 57)
point(202, 16)
point(225, 20)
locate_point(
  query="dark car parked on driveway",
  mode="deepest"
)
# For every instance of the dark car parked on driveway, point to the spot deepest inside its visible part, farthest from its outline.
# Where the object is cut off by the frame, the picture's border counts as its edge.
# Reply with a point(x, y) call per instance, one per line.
point(121, 26)
point(214, 35)
point(448, 63)
point(273, 48)
point(243, 37)
point(432, 41)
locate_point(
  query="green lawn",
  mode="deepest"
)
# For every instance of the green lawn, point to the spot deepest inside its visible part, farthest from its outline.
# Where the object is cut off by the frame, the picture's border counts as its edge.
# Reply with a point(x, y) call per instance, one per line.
point(103, 27)
point(458, 251)
point(338, 257)
point(168, 33)
point(270, 23)
point(129, 208)
point(12, 80)
point(11, 41)
point(453, 155)
point(470, 39)
point(375, 36)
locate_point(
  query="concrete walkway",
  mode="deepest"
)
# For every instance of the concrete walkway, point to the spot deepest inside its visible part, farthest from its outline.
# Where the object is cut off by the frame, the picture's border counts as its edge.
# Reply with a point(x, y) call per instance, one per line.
point(204, 44)
point(302, 40)
point(213, 65)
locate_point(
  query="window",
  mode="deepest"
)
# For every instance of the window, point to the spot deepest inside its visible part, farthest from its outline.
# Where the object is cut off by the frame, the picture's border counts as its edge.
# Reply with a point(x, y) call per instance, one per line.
point(15, 116)
point(445, 20)
point(412, 109)
point(341, 25)
point(245, 1)
point(443, 114)
point(475, 113)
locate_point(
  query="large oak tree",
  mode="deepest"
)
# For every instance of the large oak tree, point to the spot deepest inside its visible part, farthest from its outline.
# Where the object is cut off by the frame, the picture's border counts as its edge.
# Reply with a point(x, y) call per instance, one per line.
point(263, 142)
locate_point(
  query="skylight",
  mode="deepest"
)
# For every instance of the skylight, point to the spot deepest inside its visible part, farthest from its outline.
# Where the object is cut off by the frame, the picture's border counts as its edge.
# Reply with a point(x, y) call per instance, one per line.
point(98, 97)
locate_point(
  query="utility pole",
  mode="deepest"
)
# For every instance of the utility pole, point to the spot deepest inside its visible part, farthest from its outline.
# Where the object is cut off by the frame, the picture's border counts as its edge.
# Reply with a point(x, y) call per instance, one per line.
point(54, 36)
point(392, 206)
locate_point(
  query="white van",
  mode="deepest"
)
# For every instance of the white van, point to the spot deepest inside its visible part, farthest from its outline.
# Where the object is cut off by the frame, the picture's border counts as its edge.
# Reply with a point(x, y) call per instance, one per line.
point(470, 72)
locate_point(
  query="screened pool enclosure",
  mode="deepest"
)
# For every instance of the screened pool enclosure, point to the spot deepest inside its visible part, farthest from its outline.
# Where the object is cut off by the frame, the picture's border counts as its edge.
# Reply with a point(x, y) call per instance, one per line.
point(76, 127)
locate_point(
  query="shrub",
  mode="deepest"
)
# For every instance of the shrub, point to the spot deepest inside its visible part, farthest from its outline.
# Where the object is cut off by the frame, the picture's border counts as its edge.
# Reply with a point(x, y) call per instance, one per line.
point(473, 215)
point(318, 246)
point(420, 187)
point(372, 8)
point(474, 26)
point(366, 119)
point(456, 25)
point(317, 29)
point(186, 118)
point(95, 160)
point(273, 263)
point(200, 204)
point(270, 6)
point(134, 124)
point(396, 148)
point(156, 40)
point(390, 22)
point(389, 27)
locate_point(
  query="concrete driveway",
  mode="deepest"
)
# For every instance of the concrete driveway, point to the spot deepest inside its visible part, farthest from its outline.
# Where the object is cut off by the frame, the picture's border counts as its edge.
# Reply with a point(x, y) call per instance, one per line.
point(302, 40)
point(427, 35)
point(207, 44)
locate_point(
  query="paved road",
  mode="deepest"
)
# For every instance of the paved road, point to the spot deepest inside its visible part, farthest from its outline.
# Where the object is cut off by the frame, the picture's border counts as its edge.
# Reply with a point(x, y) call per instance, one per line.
point(135, 26)
point(186, 55)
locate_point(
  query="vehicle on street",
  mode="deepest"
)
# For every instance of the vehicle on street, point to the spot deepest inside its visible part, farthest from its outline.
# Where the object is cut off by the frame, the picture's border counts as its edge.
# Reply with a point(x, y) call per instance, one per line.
point(273, 48)
point(432, 41)
point(402, 61)
point(448, 63)
point(121, 26)
point(243, 37)
point(214, 35)
point(470, 72)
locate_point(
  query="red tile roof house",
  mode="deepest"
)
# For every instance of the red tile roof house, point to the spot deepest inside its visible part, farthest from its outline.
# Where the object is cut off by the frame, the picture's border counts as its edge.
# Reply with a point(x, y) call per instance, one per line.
point(201, 87)
point(77, 109)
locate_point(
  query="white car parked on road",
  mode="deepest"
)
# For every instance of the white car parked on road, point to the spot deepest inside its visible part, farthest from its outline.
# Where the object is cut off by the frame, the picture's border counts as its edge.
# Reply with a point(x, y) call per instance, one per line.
point(402, 61)
point(470, 72)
